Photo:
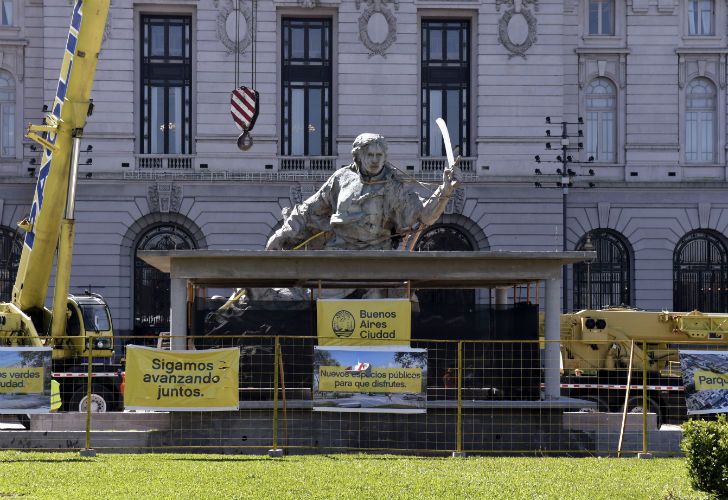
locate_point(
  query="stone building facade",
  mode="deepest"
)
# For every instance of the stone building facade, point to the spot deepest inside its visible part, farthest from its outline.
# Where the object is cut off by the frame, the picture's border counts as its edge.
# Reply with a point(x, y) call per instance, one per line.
point(643, 80)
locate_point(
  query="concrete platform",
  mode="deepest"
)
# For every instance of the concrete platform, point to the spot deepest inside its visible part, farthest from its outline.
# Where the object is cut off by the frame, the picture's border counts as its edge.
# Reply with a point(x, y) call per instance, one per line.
point(603, 430)
point(524, 428)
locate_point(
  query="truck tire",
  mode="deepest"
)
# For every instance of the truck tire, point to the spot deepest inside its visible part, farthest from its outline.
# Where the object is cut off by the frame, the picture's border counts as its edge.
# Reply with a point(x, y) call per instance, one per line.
point(634, 405)
point(601, 407)
point(100, 401)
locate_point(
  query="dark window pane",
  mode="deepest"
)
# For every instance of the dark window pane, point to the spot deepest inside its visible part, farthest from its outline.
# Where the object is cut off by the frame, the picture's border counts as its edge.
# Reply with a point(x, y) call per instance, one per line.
point(306, 87)
point(157, 41)
point(298, 47)
point(315, 122)
point(166, 72)
point(453, 45)
point(445, 84)
point(314, 43)
point(176, 41)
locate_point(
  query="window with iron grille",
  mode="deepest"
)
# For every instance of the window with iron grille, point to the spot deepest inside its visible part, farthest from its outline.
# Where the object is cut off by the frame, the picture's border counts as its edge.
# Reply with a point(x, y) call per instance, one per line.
point(606, 281)
point(445, 84)
point(166, 73)
point(151, 286)
point(11, 246)
point(306, 87)
point(700, 268)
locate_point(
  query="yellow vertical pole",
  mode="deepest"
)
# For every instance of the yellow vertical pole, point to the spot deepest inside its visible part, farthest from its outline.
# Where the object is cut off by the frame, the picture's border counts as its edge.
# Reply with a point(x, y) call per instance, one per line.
point(87, 451)
point(460, 398)
point(644, 396)
point(626, 399)
point(275, 393)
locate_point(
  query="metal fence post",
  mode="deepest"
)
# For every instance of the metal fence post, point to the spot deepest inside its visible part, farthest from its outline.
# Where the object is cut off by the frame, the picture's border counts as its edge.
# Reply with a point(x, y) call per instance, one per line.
point(275, 451)
point(645, 453)
point(459, 438)
point(87, 451)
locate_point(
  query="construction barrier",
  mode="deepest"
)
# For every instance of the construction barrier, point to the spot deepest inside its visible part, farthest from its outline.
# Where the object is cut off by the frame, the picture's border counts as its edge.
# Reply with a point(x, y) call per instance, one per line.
point(290, 395)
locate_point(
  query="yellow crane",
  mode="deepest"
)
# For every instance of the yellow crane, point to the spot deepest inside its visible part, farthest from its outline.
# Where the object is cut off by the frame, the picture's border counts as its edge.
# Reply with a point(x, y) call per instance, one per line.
point(595, 353)
point(78, 327)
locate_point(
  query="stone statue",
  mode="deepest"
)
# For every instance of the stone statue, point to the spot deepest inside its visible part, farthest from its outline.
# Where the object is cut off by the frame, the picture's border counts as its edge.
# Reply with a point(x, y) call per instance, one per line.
point(365, 205)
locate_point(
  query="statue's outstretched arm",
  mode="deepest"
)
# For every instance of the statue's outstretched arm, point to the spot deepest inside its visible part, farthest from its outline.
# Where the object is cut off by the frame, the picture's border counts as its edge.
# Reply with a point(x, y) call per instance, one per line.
point(434, 206)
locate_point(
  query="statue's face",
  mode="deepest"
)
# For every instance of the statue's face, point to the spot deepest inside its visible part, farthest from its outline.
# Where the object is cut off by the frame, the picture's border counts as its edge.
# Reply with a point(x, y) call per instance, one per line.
point(372, 159)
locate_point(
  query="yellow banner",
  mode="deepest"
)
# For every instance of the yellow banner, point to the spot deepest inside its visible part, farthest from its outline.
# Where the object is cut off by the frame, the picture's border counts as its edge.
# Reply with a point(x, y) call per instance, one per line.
point(706, 381)
point(337, 379)
point(181, 381)
point(21, 380)
point(364, 322)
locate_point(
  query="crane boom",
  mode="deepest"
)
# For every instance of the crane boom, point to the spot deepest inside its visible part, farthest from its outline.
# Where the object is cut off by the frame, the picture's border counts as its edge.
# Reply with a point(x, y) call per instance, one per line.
point(65, 122)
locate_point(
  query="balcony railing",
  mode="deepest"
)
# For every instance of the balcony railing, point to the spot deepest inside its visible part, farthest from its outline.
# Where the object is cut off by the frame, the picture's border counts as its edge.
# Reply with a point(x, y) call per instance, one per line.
point(165, 162)
point(307, 164)
point(432, 164)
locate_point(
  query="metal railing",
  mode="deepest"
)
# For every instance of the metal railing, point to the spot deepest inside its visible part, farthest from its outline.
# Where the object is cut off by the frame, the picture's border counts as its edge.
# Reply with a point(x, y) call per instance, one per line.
point(431, 164)
point(307, 163)
point(165, 162)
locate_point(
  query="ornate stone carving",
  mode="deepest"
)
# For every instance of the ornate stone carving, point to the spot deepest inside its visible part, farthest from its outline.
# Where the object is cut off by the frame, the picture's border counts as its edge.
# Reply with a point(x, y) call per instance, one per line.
point(226, 9)
point(603, 209)
point(164, 198)
point(704, 214)
point(301, 192)
point(603, 65)
point(518, 4)
point(457, 202)
point(377, 7)
point(309, 4)
point(295, 194)
point(512, 15)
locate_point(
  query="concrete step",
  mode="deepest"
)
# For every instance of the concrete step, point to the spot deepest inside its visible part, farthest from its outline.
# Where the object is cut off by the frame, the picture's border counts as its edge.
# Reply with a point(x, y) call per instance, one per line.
point(123, 421)
point(607, 422)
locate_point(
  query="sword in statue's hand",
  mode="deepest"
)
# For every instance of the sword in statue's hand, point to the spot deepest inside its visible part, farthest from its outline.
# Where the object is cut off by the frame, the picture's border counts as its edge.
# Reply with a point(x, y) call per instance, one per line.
point(451, 173)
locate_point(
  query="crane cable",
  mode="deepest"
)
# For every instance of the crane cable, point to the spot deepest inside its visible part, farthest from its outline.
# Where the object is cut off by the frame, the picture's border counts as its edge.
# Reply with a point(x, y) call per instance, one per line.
point(254, 43)
point(253, 38)
point(237, 44)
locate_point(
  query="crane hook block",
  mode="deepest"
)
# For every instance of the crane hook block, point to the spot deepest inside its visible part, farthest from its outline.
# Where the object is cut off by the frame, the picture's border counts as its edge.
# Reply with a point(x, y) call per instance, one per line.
point(245, 142)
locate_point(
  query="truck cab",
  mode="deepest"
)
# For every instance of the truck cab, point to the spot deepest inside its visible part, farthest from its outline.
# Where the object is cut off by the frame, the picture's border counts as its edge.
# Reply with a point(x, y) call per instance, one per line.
point(88, 323)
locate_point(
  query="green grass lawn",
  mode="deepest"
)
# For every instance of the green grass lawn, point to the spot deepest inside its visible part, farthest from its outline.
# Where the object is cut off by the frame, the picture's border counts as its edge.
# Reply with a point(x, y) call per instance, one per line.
point(351, 477)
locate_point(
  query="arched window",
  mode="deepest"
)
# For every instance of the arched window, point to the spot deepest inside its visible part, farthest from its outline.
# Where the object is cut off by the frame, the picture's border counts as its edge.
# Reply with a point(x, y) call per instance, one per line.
point(11, 246)
point(445, 237)
point(700, 267)
point(7, 115)
point(607, 279)
point(151, 286)
point(700, 121)
point(601, 120)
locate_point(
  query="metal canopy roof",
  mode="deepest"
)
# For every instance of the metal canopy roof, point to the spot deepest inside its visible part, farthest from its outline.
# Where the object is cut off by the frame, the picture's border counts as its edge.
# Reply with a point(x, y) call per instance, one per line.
point(371, 268)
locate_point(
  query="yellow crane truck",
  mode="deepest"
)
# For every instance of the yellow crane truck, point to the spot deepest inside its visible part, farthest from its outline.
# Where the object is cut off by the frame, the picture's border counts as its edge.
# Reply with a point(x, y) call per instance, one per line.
point(78, 328)
point(595, 352)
